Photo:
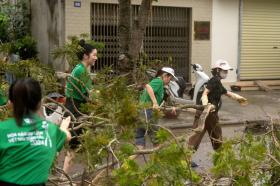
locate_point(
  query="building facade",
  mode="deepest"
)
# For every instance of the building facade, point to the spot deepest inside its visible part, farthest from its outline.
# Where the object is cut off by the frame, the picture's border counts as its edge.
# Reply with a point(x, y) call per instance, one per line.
point(244, 32)
point(169, 33)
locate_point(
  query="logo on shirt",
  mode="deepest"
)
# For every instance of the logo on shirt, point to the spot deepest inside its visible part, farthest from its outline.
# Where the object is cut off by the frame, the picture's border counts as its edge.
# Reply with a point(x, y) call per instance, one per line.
point(35, 138)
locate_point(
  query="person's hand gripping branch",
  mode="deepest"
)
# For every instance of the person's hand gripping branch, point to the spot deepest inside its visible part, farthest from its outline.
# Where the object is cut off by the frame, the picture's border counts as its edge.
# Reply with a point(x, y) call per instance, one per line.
point(240, 99)
point(64, 127)
point(204, 100)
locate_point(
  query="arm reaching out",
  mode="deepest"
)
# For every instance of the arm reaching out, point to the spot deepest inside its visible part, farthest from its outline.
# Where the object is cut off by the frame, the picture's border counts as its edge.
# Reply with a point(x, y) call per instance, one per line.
point(240, 99)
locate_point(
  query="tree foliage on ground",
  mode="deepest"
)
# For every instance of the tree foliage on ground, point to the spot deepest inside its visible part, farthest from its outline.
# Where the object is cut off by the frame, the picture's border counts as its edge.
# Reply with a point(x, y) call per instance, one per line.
point(111, 117)
point(108, 143)
point(251, 159)
point(108, 150)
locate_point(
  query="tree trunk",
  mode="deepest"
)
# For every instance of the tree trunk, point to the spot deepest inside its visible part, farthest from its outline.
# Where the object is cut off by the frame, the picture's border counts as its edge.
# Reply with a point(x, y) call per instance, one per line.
point(137, 33)
point(124, 29)
point(131, 35)
point(124, 25)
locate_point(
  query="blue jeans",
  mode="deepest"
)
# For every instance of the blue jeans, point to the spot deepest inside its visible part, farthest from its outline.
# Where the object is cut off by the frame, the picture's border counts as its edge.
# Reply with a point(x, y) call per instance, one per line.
point(151, 129)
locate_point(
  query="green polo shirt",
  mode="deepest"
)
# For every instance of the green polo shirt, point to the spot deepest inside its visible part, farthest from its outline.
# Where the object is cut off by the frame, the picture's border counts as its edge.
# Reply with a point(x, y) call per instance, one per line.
point(158, 88)
point(27, 152)
point(80, 72)
point(3, 98)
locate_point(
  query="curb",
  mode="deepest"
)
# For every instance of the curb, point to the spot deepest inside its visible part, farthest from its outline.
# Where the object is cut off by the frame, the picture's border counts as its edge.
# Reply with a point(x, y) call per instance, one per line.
point(230, 123)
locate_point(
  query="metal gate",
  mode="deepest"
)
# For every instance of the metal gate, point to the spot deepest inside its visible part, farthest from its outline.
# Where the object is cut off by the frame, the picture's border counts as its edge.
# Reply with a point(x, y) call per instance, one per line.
point(167, 35)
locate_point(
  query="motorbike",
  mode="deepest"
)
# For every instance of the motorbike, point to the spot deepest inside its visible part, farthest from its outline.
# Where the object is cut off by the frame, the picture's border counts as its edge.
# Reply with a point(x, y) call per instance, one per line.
point(176, 88)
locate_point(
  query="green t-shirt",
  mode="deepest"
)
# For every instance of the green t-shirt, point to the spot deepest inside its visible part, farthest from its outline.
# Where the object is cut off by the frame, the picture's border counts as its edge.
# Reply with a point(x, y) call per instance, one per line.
point(158, 88)
point(80, 72)
point(27, 152)
point(3, 98)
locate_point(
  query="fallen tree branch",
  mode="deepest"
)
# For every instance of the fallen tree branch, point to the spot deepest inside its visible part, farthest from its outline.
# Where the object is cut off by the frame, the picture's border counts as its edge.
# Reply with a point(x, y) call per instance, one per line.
point(181, 107)
point(59, 170)
point(61, 105)
point(273, 135)
point(274, 159)
point(79, 91)
point(66, 76)
point(203, 117)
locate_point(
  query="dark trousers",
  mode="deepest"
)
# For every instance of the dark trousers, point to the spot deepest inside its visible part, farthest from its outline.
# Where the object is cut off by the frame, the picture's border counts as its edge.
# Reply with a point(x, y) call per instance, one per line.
point(73, 105)
point(211, 126)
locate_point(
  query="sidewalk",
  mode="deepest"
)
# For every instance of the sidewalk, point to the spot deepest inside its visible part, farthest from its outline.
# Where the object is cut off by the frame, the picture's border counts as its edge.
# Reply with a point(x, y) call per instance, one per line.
point(261, 108)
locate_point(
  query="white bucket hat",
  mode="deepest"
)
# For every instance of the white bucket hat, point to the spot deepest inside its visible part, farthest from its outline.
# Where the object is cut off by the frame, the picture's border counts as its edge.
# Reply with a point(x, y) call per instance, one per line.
point(222, 64)
point(169, 71)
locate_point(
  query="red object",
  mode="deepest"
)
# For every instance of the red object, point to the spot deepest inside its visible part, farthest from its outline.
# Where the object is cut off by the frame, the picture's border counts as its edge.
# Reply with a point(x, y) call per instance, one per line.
point(61, 100)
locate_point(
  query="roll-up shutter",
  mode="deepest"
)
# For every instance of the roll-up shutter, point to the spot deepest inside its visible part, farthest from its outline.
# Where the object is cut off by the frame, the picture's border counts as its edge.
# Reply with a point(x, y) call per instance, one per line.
point(260, 40)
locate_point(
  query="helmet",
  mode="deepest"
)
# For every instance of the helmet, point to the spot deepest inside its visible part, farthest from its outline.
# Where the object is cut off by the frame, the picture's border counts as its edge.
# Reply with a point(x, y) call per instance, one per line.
point(169, 71)
point(222, 64)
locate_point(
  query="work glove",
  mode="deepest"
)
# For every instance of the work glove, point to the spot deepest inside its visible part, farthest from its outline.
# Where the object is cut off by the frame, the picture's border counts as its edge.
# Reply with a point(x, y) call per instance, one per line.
point(204, 100)
point(239, 98)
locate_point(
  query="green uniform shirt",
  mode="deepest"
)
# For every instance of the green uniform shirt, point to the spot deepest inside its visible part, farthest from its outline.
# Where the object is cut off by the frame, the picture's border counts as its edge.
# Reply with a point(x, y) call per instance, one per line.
point(157, 86)
point(3, 99)
point(80, 72)
point(27, 152)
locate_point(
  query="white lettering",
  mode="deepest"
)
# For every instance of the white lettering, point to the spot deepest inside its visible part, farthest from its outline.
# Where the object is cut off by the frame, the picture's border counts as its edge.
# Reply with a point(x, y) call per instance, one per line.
point(36, 138)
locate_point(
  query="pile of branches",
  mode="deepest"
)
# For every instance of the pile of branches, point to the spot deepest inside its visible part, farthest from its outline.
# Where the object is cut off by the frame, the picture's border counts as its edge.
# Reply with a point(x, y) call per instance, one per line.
point(109, 154)
point(109, 119)
point(111, 158)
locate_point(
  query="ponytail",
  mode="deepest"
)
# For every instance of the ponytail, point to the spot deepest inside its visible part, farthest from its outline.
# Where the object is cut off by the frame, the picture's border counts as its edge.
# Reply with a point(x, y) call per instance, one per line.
point(25, 94)
point(86, 49)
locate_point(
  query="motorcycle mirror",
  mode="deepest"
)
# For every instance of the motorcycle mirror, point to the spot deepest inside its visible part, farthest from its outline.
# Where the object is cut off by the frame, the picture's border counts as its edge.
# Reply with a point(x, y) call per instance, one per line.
point(197, 67)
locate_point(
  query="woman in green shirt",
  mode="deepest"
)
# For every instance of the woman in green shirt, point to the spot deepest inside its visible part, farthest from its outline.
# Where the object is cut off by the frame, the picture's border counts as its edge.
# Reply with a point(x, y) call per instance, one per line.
point(152, 97)
point(28, 143)
point(77, 88)
point(80, 83)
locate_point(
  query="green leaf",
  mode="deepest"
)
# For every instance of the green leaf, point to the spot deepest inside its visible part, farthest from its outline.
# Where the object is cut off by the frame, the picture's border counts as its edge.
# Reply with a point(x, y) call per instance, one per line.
point(162, 135)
